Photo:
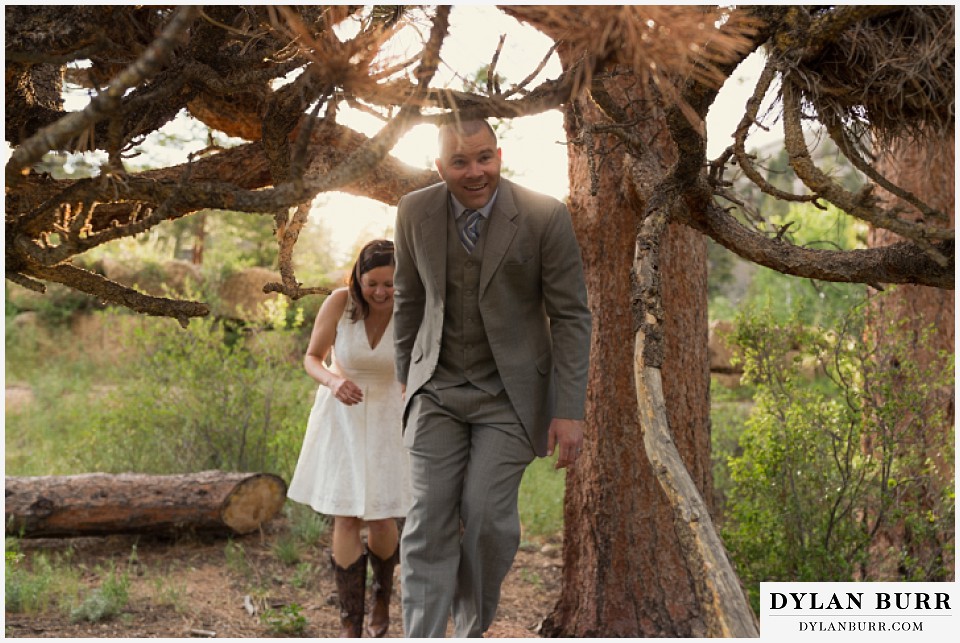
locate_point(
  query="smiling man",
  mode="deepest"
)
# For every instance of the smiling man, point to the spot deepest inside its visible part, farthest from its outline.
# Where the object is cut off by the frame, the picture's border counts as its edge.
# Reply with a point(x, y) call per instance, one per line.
point(492, 334)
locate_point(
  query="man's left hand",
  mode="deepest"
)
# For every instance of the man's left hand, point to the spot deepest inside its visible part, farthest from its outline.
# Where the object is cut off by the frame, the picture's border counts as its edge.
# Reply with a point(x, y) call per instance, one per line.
point(568, 436)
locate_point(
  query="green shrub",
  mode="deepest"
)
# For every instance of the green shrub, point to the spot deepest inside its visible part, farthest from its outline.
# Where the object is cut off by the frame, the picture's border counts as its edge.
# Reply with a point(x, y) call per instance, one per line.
point(728, 417)
point(192, 400)
point(828, 464)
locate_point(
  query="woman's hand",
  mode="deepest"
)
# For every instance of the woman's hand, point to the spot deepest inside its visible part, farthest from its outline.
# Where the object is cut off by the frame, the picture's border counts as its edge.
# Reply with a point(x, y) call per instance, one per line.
point(346, 391)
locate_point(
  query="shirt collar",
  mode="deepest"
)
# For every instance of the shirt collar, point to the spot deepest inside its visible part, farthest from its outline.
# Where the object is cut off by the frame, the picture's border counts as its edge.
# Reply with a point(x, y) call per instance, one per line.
point(459, 208)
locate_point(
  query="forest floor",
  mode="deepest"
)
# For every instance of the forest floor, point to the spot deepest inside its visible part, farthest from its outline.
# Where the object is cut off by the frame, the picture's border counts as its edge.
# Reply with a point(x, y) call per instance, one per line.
point(201, 586)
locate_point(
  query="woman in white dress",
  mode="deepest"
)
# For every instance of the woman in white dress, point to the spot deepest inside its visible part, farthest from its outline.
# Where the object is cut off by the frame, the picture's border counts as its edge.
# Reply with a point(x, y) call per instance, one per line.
point(352, 464)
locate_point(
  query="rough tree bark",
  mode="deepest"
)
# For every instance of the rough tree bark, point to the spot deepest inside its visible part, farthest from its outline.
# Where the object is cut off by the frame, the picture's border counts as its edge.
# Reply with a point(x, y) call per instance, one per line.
point(927, 170)
point(613, 589)
point(101, 503)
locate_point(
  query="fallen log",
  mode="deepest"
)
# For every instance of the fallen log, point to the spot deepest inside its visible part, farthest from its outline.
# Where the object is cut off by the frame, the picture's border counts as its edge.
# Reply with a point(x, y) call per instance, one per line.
point(100, 503)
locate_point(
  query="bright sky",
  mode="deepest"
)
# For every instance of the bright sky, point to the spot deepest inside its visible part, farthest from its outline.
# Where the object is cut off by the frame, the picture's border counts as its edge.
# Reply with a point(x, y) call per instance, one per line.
point(532, 148)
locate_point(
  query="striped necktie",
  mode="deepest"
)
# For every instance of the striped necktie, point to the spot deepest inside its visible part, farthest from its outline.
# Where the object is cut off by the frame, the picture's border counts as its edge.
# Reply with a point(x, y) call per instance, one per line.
point(469, 229)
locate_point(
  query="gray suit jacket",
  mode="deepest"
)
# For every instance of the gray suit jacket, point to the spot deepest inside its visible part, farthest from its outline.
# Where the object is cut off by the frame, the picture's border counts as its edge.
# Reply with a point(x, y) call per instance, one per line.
point(533, 301)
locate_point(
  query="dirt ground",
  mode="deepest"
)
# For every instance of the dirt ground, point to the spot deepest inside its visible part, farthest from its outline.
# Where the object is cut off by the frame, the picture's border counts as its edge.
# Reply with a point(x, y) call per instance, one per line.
point(197, 586)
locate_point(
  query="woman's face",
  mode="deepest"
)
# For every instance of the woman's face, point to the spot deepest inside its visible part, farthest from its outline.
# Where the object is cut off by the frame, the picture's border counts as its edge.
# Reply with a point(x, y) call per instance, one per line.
point(377, 288)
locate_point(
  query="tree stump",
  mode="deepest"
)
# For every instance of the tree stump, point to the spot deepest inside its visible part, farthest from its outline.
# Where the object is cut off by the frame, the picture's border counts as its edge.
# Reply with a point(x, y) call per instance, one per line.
point(100, 503)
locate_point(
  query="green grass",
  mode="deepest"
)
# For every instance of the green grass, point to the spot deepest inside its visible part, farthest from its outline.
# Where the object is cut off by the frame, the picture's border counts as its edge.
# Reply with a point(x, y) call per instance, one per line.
point(287, 549)
point(285, 621)
point(106, 601)
point(43, 438)
point(237, 561)
point(306, 525)
point(38, 583)
point(541, 499)
point(168, 593)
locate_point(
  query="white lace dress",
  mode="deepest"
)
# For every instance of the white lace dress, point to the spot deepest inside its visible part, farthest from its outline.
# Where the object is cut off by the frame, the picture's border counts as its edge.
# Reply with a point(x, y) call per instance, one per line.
point(352, 462)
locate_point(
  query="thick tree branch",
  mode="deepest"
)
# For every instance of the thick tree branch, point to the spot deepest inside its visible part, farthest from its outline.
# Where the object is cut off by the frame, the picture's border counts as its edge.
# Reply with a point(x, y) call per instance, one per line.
point(900, 263)
point(57, 135)
point(740, 138)
point(247, 167)
point(113, 293)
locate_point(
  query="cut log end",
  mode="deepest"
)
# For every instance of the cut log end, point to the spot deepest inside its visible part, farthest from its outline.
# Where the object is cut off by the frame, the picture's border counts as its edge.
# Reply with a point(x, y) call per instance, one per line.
point(253, 502)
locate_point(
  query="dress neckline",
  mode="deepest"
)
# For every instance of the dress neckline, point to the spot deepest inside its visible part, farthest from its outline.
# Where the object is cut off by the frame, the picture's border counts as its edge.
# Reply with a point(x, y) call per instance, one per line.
point(366, 335)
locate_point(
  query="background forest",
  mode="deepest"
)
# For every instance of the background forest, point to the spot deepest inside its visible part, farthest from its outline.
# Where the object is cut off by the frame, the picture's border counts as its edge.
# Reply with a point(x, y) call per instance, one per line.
point(794, 393)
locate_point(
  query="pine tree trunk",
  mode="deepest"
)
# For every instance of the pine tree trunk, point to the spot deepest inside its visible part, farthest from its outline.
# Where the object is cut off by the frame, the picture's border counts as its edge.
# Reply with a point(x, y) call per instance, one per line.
point(927, 171)
point(625, 573)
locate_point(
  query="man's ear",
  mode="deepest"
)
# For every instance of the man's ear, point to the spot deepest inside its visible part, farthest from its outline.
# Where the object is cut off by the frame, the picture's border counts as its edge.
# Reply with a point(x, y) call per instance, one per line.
point(439, 168)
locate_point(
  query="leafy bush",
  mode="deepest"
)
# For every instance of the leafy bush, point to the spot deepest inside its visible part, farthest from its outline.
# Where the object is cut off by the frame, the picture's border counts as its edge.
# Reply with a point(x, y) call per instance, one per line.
point(828, 465)
point(200, 399)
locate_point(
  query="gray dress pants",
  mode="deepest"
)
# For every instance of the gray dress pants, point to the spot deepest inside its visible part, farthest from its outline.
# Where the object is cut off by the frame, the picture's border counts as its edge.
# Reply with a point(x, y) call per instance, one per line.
point(468, 452)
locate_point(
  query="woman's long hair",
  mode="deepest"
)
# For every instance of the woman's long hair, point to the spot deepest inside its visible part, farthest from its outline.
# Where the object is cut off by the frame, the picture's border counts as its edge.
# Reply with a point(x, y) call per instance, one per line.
point(375, 254)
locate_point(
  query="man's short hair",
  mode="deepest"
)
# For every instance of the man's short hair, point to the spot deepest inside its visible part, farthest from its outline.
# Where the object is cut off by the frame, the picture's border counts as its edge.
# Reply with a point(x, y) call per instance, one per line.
point(464, 128)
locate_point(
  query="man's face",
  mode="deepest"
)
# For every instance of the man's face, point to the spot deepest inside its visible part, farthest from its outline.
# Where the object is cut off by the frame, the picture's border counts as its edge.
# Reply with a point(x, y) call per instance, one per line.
point(470, 166)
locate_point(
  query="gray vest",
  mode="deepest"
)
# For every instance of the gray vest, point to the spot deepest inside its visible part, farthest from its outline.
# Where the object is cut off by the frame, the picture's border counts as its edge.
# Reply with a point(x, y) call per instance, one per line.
point(465, 354)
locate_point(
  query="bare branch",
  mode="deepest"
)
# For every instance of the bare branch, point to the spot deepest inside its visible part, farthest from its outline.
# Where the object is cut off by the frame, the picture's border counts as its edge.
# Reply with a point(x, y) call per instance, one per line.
point(847, 147)
point(861, 205)
point(521, 86)
point(287, 235)
point(740, 137)
point(26, 282)
point(114, 293)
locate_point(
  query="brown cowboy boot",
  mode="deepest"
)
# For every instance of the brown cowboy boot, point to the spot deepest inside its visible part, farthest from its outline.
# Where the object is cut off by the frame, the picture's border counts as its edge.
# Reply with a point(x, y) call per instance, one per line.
point(381, 588)
point(351, 586)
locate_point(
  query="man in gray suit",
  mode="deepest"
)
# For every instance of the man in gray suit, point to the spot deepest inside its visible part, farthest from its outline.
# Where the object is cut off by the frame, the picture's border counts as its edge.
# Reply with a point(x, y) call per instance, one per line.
point(492, 333)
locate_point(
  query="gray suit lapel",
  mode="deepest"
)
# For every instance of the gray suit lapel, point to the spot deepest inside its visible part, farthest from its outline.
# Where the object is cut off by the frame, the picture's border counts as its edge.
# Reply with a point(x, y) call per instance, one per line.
point(499, 233)
point(433, 232)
